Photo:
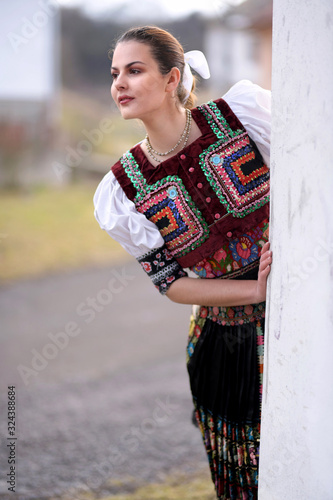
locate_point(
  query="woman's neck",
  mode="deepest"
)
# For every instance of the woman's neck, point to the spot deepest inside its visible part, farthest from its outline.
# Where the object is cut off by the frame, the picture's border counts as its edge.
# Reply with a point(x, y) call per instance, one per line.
point(163, 135)
point(165, 128)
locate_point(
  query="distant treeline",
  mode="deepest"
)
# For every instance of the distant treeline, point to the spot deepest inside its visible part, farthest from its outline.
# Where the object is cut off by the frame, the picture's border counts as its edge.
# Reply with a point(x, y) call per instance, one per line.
point(85, 43)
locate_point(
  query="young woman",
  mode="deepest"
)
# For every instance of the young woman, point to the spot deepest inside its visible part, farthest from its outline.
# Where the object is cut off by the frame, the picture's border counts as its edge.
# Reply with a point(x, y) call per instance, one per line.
point(194, 195)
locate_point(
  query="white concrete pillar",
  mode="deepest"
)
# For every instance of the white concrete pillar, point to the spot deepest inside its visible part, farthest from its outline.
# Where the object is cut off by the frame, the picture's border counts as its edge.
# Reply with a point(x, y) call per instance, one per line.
point(296, 455)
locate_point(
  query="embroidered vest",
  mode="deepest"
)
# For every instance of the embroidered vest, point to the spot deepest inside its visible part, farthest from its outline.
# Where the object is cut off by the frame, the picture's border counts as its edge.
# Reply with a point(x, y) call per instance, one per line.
point(215, 189)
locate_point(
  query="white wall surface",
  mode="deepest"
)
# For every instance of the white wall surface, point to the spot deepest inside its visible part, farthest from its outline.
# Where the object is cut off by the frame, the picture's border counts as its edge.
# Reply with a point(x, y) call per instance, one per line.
point(296, 457)
point(28, 49)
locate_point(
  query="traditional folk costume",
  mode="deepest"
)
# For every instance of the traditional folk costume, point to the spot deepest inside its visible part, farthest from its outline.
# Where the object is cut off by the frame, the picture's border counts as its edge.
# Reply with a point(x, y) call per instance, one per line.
point(206, 209)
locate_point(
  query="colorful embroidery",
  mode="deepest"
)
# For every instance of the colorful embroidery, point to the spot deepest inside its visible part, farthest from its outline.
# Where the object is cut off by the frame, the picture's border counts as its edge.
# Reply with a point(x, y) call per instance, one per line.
point(233, 454)
point(181, 225)
point(236, 257)
point(232, 447)
point(244, 250)
point(217, 122)
point(225, 316)
point(162, 268)
point(168, 204)
point(196, 324)
point(234, 167)
point(236, 315)
point(260, 351)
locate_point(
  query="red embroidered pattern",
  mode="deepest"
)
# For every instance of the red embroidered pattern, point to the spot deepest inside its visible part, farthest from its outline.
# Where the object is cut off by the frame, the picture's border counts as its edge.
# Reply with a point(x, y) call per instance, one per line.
point(162, 268)
point(234, 167)
point(243, 178)
point(236, 257)
point(168, 208)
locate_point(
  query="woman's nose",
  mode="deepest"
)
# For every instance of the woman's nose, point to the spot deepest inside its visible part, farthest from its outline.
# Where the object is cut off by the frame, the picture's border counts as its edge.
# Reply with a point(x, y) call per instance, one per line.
point(120, 82)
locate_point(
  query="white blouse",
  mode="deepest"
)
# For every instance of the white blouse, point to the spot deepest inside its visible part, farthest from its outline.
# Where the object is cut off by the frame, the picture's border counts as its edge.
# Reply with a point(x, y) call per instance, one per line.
point(117, 215)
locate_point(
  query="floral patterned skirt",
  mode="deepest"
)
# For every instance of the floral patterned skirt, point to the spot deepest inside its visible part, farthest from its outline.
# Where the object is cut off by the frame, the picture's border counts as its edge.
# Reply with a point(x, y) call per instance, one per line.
point(225, 365)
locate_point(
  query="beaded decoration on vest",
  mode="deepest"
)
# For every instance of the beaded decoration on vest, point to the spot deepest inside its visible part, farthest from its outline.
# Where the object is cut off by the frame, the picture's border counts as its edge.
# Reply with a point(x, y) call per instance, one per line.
point(233, 166)
point(168, 204)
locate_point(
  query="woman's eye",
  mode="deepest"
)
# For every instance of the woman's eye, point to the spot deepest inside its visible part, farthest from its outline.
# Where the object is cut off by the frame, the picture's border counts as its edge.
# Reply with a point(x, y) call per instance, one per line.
point(135, 71)
point(114, 76)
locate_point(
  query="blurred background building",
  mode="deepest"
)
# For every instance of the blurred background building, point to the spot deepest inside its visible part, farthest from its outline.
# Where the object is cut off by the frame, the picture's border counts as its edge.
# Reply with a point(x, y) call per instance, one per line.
point(238, 45)
point(54, 88)
point(29, 89)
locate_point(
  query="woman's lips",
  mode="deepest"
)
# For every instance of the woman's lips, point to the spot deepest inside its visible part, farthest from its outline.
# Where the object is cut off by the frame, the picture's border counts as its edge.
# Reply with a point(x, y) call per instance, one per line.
point(125, 99)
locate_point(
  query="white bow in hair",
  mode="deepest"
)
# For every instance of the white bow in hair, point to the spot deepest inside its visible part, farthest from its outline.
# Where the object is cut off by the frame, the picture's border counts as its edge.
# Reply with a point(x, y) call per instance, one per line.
point(197, 60)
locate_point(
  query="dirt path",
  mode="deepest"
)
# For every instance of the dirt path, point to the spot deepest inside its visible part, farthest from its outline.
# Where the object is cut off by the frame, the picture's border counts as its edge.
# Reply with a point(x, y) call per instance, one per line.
point(102, 395)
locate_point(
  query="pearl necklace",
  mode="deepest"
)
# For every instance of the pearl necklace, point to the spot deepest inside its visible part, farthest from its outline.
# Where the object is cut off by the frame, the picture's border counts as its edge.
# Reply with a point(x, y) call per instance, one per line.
point(184, 137)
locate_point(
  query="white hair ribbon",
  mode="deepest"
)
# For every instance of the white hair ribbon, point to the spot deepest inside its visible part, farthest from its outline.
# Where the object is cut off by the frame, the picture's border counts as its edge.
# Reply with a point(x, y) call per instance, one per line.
point(197, 60)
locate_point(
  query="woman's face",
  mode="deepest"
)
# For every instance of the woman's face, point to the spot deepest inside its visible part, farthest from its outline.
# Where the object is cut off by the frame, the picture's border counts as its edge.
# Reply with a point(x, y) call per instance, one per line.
point(138, 87)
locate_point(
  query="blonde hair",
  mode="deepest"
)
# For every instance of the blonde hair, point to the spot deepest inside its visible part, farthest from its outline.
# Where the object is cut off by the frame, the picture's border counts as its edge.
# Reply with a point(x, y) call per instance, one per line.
point(167, 52)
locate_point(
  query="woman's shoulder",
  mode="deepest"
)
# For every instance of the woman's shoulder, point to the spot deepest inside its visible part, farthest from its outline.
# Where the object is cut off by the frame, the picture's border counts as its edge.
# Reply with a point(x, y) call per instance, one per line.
point(248, 105)
point(252, 106)
point(118, 216)
point(244, 92)
point(247, 93)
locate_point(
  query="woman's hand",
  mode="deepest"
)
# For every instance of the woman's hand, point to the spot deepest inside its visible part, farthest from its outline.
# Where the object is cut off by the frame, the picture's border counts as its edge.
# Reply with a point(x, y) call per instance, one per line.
point(223, 293)
point(264, 270)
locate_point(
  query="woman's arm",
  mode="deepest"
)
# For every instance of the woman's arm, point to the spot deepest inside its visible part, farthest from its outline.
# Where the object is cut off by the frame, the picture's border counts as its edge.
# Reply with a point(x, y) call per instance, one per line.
point(219, 292)
point(118, 216)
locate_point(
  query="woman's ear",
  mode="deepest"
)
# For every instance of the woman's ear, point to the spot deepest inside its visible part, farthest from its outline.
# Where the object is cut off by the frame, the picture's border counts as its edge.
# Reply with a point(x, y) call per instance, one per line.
point(173, 80)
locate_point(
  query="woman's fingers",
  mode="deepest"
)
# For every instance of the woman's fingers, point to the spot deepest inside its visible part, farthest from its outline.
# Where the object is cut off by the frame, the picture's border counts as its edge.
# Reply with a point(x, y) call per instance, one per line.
point(265, 248)
point(264, 270)
point(266, 258)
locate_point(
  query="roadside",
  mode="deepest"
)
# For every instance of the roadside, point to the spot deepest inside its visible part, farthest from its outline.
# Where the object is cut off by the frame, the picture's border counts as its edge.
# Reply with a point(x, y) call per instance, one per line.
point(97, 358)
point(105, 411)
point(45, 230)
point(177, 486)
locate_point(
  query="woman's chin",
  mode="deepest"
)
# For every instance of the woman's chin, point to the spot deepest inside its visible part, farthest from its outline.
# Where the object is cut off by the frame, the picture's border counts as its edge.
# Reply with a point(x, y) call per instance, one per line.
point(127, 114)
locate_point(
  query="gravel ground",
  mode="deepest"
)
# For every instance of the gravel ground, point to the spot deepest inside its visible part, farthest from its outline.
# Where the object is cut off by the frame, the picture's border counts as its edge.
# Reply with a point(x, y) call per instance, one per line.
point(102, 396)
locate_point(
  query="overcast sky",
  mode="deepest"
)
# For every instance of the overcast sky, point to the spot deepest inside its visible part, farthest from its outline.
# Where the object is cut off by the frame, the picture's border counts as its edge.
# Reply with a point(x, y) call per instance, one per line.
point(152, 8)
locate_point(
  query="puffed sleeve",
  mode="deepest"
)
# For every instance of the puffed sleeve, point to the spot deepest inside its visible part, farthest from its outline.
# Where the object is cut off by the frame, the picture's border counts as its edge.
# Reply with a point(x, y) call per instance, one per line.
point(252, 106)
point(140, 237)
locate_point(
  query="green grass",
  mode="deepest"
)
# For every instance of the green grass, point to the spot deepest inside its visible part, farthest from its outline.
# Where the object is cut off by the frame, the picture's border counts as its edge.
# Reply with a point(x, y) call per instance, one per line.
point(48, 230)
point(80, 112)
point(176, 487)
